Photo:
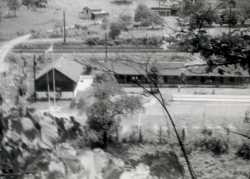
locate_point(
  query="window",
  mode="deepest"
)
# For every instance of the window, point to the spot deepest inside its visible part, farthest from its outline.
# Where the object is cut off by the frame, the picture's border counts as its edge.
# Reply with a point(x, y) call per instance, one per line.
point(231, 79)
point(87, 11)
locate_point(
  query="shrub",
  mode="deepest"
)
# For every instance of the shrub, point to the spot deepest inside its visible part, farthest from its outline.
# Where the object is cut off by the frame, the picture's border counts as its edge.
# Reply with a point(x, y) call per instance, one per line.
point(81, 103)
point(72, 103)
point(105, 23)
point(56, 36)
point(115, 29)
point(206, 131)
point(92, 41)
point(216, 145)
point(244, 151)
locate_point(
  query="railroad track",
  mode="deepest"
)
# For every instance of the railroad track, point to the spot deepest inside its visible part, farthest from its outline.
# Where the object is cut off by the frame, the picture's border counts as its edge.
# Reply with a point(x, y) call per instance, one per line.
point(99, 50)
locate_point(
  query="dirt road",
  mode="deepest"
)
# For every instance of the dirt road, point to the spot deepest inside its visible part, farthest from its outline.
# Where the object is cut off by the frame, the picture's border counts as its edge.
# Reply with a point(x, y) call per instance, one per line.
point(6, 48)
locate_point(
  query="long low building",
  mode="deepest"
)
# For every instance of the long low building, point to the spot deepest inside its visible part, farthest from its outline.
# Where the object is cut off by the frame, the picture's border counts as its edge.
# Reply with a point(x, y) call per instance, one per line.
point(178, 73)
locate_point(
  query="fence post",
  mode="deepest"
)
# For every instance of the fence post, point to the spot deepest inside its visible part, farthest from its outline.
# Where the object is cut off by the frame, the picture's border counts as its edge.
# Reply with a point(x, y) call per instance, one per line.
point(160, 133)
point(183, 134)
point(246, 117)
point(228, 138)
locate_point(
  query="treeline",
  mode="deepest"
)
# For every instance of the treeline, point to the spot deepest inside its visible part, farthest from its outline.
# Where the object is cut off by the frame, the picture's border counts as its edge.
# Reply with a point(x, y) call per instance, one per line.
point(37, 3)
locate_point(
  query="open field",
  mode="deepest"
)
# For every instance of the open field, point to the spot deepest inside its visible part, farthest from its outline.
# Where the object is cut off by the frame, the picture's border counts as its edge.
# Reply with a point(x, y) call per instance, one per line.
point(44, 19)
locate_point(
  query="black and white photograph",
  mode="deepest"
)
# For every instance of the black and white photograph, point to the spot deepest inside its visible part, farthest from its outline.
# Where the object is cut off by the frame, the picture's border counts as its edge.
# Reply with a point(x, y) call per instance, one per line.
point(124, 89)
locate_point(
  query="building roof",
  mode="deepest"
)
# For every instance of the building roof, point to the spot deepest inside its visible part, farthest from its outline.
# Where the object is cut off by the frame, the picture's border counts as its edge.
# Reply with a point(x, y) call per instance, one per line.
point(161, 8)
point(69, 68)
point(92, 8)
point(100, 13)
point(173, 69)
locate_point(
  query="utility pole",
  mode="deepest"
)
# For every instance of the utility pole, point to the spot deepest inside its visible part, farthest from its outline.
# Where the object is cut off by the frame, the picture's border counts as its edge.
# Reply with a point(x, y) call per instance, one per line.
point(34, 70)
point(64, 31)
point(159, 6)
point(106, 49)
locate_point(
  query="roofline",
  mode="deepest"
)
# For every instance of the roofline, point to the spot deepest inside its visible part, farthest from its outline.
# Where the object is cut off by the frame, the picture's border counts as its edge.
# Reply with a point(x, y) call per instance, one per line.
point(99, 13)
point(58, 72)
point(161, 8)
point(97, 9)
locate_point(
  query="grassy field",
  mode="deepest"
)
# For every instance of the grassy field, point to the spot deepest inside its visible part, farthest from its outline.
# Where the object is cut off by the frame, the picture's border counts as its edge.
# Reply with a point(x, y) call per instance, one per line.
point(44, 19)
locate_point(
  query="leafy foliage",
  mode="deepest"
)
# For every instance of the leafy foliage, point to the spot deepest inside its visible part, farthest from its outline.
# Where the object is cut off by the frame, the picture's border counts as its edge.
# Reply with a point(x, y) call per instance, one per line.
point(161, 165)
point(244, 151)
point(146, 16)
point(14, 5)
point(216, 145)
point(125, 19)
point(110, 104)
point(115, 29)
point(231, 50)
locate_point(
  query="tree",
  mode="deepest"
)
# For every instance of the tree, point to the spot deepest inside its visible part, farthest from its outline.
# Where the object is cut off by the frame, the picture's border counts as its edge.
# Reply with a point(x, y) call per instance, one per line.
point(37, 3)
point(111, 103)
point(223, 49)
point(105, 23)
point(125, 19)
point(146, 16)
point(149, 73)
point(243, 10)
point(115, 29)
point(14, 5)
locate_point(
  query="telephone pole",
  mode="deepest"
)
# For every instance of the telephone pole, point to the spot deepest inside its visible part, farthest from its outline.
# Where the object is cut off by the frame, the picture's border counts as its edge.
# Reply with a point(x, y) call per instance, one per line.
point(64, 31)
point(34, 70)
point(106, 49)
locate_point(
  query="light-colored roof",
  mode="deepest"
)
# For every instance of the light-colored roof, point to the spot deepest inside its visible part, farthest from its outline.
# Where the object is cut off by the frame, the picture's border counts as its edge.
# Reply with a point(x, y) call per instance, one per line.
point(69, 68)
point(173, 69)
point(97, 13)
point(92, 8)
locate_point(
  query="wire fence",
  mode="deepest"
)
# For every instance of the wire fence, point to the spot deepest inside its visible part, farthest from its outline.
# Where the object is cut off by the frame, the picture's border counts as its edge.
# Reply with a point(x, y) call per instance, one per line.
point(154, 123)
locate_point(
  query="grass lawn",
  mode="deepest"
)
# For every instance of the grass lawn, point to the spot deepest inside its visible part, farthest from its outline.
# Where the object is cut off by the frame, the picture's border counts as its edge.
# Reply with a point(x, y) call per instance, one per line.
point(44, 19)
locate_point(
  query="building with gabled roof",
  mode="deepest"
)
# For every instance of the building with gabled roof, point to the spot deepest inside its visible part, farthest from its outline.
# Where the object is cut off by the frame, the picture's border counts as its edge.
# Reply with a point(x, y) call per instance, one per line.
point(67, 75)
point(93, 13)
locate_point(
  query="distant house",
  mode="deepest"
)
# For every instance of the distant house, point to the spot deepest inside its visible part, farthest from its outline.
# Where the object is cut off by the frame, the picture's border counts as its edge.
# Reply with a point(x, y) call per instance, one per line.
point(164, 11)
point(68, 79)
point(99, 15)
point(92, 13)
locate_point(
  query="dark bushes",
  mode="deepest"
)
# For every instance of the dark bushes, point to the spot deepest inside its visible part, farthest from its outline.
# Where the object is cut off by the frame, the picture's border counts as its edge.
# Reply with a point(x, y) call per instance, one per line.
point(244, 151)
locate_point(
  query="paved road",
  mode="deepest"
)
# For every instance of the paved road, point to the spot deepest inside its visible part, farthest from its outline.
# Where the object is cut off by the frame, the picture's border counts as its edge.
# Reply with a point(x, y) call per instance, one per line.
point(6, 48)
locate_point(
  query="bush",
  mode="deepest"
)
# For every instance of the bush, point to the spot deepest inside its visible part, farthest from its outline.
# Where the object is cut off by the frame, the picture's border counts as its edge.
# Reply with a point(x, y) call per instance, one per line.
point(92, 41)
point(105, 23)
point(244, 151)
point(72, 103)
point(115, 29)
point(216, 145)
point(56, 36)
point(206, 131)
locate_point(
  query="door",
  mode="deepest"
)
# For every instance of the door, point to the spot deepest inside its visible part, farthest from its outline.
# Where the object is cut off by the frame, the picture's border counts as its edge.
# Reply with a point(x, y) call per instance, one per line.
point(203, 79)
point(221, 80)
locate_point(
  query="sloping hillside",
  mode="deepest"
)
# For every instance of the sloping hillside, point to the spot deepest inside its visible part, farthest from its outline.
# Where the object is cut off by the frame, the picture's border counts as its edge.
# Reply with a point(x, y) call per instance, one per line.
point(45, 18)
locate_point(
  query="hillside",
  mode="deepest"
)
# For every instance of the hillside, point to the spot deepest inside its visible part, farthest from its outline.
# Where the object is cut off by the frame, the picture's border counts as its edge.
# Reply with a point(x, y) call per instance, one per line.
point(45, 18)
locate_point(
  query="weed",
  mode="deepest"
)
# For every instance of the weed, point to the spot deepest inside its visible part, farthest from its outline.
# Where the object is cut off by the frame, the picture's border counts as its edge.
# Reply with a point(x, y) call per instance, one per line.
point(244, 151)
point(214, 144)
point(206, 131)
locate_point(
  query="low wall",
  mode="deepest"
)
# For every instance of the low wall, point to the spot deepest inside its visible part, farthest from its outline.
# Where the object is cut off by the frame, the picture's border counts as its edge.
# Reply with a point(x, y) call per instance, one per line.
point(64, 95)
point(212, 98)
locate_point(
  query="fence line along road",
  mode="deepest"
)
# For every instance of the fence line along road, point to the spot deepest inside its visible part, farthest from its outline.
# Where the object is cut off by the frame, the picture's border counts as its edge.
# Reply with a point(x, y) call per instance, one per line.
point(98, 50)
